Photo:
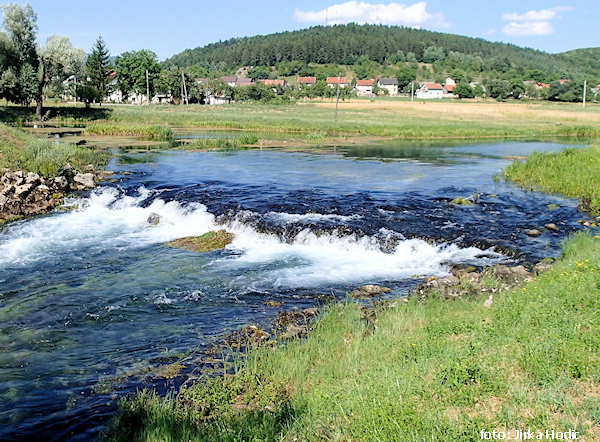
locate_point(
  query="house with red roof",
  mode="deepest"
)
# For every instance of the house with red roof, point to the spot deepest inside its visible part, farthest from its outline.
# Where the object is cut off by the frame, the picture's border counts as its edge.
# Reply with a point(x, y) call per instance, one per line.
point(333, 82)
point(430, 90)
point(306, 81)
point(364, 87)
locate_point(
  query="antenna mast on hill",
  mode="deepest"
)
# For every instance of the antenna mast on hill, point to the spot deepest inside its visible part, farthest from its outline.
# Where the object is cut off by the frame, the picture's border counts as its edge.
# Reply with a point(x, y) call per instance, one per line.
point(326, 11)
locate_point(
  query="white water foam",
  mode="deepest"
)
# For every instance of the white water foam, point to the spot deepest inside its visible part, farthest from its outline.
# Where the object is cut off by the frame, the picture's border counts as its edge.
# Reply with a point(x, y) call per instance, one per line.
point(109, 220)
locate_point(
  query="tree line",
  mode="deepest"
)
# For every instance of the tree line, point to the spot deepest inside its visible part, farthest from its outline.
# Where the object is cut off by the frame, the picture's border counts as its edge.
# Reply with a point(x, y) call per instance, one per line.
point(31, 72)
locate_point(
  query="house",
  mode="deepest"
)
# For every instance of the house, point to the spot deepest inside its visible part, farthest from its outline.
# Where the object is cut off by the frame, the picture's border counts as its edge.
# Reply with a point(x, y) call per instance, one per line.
point(364, 87)
point(333, 82)
point(274, 83)
point(306, 81)
point(448, 90)
point(430, 90)
point(230, 80)
point(240, 82)
point(450, 81)
point(388, 84)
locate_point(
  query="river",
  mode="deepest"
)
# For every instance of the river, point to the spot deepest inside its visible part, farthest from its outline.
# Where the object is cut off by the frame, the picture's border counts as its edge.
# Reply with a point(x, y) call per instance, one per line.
point(92, 302)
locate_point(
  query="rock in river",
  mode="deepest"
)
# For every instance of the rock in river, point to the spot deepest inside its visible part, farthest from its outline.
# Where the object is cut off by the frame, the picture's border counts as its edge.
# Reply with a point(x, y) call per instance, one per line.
point(208, 242)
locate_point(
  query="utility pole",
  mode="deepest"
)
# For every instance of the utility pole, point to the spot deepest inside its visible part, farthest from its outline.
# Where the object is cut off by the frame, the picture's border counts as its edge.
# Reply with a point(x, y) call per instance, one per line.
point(337, 97)
point(412, 91)
point(147, 88)
point(184, 88)
point(584, 91)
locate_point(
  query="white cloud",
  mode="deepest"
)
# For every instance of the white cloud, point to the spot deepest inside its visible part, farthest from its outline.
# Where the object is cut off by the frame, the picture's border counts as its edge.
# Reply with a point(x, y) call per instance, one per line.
point(543, 15)
point(389, 14)
point(515, 29)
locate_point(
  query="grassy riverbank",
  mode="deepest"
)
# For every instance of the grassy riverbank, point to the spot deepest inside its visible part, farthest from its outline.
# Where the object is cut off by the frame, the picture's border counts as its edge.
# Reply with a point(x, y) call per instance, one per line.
point(21, 150)
point(571, 172)
point(431, 369)
point(314, 121)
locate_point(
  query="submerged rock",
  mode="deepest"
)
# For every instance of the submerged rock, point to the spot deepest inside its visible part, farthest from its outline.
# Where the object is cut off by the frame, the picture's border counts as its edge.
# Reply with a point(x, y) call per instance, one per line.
point(533, 232)
point(209, 242)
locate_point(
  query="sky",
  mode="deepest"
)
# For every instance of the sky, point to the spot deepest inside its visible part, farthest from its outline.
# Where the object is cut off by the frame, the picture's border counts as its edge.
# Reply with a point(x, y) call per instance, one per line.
point(168, 28)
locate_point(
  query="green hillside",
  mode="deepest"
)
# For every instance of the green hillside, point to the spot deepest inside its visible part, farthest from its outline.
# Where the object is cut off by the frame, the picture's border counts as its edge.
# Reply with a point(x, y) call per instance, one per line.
point(390, 45)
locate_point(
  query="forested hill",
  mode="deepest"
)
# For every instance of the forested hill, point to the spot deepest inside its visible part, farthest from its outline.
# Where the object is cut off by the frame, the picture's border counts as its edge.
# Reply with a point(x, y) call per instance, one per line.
point(345, 44)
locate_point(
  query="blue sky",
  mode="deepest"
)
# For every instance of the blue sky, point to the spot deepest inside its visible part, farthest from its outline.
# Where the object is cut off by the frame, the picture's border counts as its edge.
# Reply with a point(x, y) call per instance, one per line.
point(170, 27)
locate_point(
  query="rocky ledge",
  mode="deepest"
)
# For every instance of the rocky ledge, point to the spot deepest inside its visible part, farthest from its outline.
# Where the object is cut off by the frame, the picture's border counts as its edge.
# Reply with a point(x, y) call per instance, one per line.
point(27, 193)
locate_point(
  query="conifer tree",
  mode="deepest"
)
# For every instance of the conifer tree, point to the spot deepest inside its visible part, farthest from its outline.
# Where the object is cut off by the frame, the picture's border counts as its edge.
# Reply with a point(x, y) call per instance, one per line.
point(98, 67)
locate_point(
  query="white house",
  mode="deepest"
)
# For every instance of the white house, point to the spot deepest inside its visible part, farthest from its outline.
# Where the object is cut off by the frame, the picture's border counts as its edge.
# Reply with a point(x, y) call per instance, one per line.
point(430, 90)
point(364, 87)
point(389, 84)
point(333, 82)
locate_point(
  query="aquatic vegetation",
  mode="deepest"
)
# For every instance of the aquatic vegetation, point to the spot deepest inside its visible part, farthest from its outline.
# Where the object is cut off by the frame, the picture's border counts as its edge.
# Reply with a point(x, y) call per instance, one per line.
point(140, 131)
point(209, 242)
point(572, 172)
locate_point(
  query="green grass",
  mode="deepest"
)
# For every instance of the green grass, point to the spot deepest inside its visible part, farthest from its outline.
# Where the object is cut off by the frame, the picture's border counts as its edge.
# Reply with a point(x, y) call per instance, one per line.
point(20, 150)
point(431, 369)
point(572, 172)
point(225, 143)
point(139, 131)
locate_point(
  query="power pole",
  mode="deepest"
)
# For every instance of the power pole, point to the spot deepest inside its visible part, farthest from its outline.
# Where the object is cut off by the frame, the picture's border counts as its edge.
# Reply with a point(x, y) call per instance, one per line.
point(584, 91)
point(147, 88)
point(337, 97)
point(184, 88)
point(412, 91)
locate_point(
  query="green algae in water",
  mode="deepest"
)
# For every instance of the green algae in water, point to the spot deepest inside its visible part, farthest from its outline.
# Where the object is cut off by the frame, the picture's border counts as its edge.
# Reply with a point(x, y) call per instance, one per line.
point(209, 242)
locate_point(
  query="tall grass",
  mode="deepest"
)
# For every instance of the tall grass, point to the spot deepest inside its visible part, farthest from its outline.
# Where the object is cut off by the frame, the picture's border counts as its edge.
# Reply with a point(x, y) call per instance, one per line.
point(572, 172)
point(142, 132)
point(20, 150)
point(225, 143)
point(430, 369)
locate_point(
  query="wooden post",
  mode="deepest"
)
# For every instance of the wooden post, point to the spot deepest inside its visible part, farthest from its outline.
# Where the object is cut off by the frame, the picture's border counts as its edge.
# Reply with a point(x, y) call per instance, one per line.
point(584, 91)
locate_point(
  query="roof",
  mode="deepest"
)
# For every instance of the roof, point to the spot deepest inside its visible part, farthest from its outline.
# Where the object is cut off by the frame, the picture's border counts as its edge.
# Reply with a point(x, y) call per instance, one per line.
point(244, 81)
point(334, 80)
point(365, 82)
point(450, 87)
point(388, 81)
point(432, 86)
point(307, 80)
point(273, 82)
point(229, 79)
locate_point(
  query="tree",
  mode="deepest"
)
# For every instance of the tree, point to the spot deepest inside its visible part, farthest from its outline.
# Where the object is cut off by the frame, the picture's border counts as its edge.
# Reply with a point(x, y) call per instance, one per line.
point(131, 70)
point(463, 90)
point(58, 60)
point(20, 59)
point(98, 68)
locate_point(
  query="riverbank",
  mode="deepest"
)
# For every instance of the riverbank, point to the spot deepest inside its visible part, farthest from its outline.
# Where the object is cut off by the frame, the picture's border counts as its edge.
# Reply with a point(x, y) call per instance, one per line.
point(440, 367)
point(429, 367)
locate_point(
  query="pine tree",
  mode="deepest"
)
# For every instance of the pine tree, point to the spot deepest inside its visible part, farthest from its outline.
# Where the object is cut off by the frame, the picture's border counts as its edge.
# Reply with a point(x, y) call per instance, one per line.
point(98, 67)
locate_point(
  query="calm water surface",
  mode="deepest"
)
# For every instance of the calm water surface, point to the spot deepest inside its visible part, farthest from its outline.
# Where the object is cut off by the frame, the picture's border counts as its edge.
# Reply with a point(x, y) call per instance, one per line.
point(92, 302)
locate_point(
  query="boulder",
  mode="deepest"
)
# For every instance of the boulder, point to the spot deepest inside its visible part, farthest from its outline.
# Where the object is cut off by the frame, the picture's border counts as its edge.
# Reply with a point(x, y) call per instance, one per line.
point(32, 178)
point(154, 219)
point(22, 190)
point(84, 181)
point(533, 232)
point(59, 183)
point(551, 226)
